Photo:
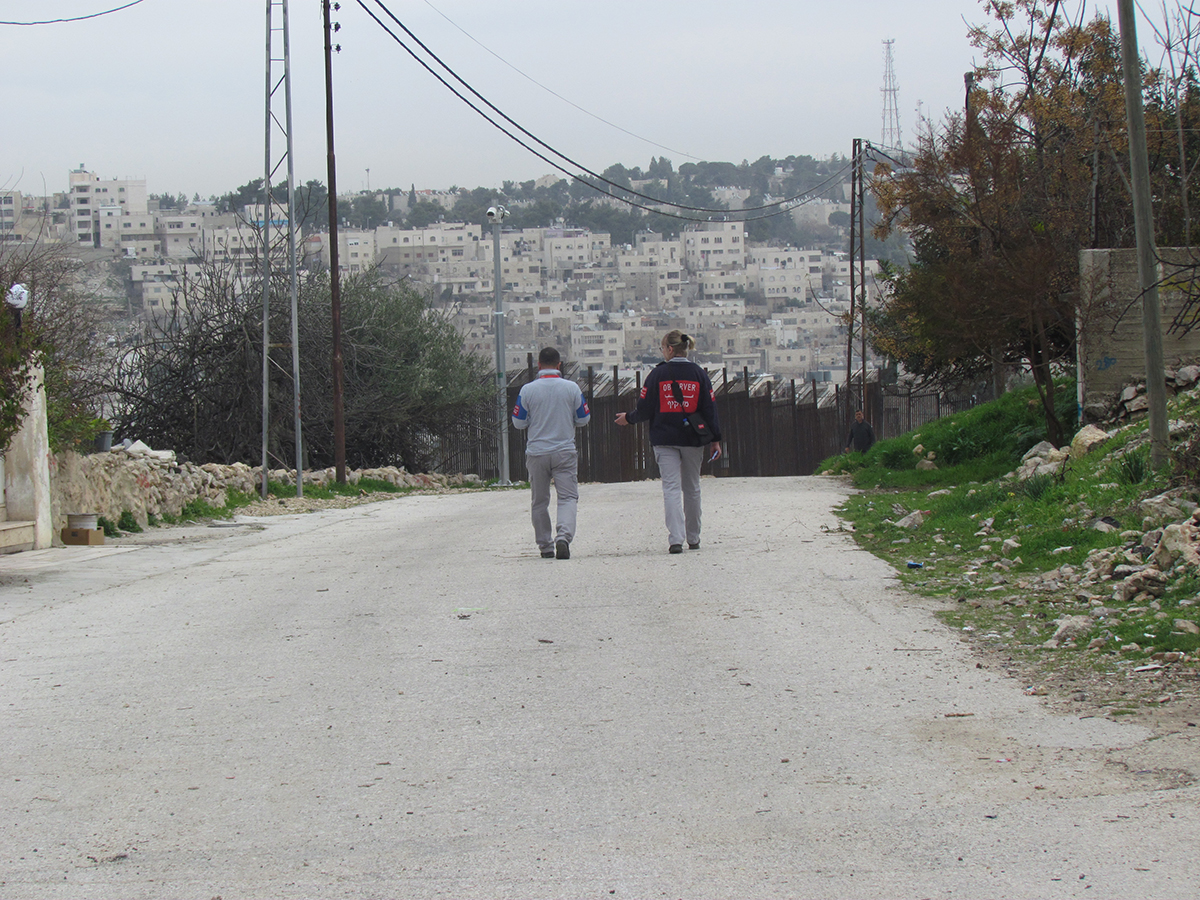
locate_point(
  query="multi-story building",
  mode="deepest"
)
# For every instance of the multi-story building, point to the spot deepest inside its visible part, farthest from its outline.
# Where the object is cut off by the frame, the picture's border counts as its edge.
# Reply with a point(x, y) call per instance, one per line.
point(566, 250)
point(90, 193)
point(164, 287)
point(179, 235)
point(412, 251)
point(238, 246)
point(714, 245)
point(790, 362)
point(10, 213)
point(719, 313)
point(654, 268)
point(721, 284)
point(597, 345)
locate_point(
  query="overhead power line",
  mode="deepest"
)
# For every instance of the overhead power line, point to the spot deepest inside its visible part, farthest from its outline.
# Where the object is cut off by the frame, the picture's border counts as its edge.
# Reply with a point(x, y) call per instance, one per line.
point(778, 207)
point(555, 93)
point(106, 12)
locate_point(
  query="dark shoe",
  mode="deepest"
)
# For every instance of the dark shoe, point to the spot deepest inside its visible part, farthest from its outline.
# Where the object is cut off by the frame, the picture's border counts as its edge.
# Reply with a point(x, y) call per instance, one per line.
point(548, 553)
point(675, 548)
point(562, 550)
point(695, 546)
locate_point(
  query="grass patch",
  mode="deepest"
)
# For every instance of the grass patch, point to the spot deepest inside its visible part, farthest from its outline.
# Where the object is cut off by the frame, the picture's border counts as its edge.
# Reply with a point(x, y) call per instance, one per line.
point(199, 510)
point(128, 523)
point(1013, 558)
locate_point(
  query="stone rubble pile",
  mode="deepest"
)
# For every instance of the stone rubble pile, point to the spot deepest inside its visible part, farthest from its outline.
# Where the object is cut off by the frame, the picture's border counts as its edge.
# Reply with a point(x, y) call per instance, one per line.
point(148, 482)
point(1132, 401)
point(1127, 580)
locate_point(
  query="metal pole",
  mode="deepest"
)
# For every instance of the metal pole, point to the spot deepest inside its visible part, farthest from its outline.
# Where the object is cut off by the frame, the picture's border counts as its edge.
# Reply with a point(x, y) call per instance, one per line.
point(1147, 253)
point(862, 275)
point(856, 152)
point(335, 294)
point(501, 376)
point(266, 252)
point(291, 243)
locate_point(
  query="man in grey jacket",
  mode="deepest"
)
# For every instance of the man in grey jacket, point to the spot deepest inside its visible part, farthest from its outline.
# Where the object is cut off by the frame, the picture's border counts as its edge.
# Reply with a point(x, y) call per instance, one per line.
point(551, 408)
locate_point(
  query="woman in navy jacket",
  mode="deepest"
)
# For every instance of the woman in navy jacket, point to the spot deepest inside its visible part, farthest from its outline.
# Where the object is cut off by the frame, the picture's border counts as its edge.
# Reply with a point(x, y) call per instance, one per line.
point(677, 449)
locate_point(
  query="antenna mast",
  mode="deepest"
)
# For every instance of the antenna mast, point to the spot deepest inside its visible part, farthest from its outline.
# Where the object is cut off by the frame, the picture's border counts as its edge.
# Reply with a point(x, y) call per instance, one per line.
point(890, 138)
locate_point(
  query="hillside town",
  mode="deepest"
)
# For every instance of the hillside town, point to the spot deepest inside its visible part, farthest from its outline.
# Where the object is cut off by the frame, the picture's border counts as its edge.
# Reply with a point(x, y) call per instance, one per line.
point(770, 310)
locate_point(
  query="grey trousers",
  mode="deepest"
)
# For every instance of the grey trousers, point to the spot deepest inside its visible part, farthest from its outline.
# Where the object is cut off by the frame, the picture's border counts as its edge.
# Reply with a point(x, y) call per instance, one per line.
point(680, 470)
point(561, 467)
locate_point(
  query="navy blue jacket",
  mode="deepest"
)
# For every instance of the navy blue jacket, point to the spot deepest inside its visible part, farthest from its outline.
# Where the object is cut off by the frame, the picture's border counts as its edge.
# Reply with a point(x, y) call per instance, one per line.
point(657, 404)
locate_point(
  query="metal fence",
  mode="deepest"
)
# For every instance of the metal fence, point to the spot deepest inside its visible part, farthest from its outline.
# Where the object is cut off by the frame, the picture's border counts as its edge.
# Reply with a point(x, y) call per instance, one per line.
point(769, 427)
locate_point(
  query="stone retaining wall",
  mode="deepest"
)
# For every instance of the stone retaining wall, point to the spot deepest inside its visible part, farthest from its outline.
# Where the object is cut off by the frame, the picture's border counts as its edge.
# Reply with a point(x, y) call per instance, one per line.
point(149, 482)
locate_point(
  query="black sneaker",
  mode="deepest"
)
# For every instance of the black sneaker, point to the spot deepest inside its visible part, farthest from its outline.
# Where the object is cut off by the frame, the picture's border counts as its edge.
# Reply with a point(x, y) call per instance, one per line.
point(562, 550)
point(675, 548)
point(548, 553)
point(695, 546)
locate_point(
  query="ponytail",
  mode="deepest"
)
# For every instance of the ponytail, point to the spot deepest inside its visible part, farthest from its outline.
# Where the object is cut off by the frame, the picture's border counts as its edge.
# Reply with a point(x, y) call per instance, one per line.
point(681, 343)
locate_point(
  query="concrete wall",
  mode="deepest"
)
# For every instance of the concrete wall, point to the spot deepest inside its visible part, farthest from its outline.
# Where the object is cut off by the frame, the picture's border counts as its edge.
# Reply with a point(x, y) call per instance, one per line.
point(149, 483)
point(1110, 348)
point(26, 474)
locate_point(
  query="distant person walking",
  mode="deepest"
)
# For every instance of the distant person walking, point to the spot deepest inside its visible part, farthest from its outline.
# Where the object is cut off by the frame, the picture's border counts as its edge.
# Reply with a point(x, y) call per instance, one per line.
point(551, 408)
point(862, 435)
point(674, 388)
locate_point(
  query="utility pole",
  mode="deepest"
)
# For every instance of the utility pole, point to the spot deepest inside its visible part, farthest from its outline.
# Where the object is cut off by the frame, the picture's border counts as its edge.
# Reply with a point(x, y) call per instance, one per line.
point(1147, 253)
point(335, 293)
point(862, 274)
point(855, 156)
point(496, 215)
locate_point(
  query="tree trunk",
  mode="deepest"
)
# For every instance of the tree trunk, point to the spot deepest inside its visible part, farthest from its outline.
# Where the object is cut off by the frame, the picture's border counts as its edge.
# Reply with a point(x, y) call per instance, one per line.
point(1043, 377)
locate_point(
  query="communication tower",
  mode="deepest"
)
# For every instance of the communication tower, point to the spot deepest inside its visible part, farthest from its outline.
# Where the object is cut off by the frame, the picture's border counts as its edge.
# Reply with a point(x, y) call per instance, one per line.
point(890, 135)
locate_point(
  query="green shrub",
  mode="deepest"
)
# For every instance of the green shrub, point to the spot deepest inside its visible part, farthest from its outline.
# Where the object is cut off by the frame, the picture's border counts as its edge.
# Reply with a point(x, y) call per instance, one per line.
point(897, 454)
point(128, 523)
point(109, 529)
point(1035, 487)
point(1133, 467)
point(199, 509)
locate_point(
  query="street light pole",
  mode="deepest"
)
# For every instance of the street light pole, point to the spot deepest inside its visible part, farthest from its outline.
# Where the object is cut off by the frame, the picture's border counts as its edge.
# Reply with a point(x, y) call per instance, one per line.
point(497, 214)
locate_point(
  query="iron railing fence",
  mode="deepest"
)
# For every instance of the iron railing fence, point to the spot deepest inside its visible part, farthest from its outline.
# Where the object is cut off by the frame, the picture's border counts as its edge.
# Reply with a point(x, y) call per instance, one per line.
point(770, 427)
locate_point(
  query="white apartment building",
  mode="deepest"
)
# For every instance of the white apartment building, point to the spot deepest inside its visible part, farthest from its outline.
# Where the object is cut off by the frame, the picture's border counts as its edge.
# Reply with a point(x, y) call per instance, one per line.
point(179, 236)
point(721, 284)
point(356, 252)
point(89, 193)
point(418, 251)
point(720, 313)
point(714, 245)
point(654, 268)
point(596, 345)
point(237, 246)
point(10, 212)
point(566, 250)
point(134, 236)
point(641, 339)
point(163, 287)
point(740, 340)
point(790, 362)
point(837, 277)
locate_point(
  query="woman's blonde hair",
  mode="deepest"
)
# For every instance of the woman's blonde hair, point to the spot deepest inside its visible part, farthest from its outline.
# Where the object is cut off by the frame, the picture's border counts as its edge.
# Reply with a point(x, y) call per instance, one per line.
point(681, 343)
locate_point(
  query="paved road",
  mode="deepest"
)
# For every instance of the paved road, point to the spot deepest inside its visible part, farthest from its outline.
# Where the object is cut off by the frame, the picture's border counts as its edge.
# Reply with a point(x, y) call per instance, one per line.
point(403, 700)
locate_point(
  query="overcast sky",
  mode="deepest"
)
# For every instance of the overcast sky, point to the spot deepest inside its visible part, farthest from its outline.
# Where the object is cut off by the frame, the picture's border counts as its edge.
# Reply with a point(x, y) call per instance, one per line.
point(173, 90)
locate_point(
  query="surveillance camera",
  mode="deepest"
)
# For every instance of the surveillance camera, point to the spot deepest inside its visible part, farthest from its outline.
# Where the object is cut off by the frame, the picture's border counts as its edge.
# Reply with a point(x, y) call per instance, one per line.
point(492, 212)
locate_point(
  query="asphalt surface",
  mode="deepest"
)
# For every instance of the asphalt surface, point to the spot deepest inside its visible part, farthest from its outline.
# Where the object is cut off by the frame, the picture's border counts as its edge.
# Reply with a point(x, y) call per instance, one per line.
point(404, 700)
